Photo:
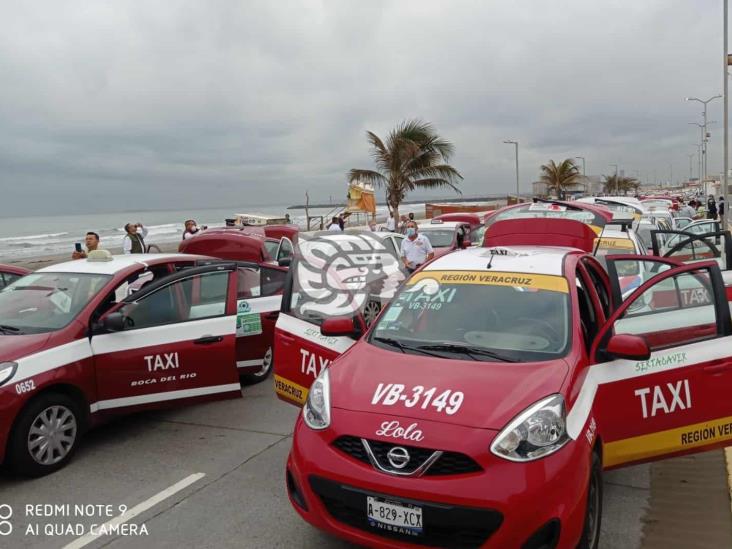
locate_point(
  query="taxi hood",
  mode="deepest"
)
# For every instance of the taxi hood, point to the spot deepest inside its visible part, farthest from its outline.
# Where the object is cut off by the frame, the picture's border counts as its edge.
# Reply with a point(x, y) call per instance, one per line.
point(14, 347)
point(541, 232)
point(371, 379)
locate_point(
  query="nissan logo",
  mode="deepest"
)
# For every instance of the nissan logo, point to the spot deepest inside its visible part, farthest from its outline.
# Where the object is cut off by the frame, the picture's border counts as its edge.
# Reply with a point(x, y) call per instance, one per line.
point(398, 457)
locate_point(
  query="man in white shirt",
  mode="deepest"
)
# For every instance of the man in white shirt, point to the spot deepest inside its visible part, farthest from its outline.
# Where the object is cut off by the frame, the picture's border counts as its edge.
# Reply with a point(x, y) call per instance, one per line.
point(335, 226)
point(391, 223)
point(134, 241)
point(416, 249)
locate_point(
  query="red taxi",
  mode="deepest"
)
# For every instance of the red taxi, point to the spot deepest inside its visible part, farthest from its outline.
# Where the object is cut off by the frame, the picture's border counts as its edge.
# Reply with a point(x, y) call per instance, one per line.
point(85, 340)
point(505, 376)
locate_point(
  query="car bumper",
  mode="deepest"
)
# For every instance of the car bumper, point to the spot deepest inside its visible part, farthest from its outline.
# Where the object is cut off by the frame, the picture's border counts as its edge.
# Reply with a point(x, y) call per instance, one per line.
point(503, 505)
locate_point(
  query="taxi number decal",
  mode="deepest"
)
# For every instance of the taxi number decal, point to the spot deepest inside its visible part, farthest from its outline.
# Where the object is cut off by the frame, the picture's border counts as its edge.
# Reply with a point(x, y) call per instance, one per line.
point(25, 386)
point(389, 394)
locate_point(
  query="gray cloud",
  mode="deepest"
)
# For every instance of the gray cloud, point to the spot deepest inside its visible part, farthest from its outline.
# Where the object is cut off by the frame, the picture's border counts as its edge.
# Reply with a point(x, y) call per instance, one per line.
point(183, 103)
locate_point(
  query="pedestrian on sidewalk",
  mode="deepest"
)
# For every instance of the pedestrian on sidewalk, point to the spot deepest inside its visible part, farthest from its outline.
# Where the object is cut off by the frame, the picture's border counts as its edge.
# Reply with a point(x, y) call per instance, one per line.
point(134, 241)
point(711, 207)
point(722, 210)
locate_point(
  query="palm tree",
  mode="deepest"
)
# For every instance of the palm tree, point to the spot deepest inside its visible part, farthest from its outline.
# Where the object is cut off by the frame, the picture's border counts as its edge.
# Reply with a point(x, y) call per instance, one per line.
point(558, 177)
point(614, 184)
point(412, 157)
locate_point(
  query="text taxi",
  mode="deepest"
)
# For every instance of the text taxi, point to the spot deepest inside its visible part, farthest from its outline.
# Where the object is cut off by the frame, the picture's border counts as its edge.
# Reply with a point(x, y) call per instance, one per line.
point(482, 406)
point(76, 346)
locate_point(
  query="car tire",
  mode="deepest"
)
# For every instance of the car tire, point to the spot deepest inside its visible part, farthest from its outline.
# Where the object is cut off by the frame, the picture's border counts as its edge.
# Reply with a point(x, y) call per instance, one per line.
point(593, 511)
point(26, 453)
point(261, 375)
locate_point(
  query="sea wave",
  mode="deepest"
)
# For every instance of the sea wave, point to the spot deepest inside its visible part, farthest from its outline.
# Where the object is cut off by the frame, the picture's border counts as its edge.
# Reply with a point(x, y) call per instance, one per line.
point(32, 237)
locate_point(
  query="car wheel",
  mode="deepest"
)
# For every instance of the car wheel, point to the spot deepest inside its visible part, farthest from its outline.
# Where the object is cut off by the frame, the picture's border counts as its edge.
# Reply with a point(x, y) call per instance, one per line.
point(45, 435)
point(371, 311)
point(593, 514)
point(263, 373)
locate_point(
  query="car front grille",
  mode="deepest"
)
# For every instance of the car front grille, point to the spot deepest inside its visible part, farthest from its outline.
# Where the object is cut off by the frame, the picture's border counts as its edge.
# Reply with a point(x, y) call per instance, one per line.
point(445, 525)
point(448, 463)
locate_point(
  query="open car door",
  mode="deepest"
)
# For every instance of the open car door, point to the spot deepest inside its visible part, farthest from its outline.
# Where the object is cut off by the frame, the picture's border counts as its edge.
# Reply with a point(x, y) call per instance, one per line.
point(171, 342)
point(661, 366)
point(692, 246)
point(333, 278)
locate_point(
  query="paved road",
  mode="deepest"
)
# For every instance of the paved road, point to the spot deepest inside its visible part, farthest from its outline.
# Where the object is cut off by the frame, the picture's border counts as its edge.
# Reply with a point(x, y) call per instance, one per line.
point(240, 446)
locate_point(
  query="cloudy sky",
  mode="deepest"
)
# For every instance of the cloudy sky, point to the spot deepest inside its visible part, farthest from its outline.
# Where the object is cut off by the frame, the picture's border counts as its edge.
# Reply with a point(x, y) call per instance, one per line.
point(113, 105)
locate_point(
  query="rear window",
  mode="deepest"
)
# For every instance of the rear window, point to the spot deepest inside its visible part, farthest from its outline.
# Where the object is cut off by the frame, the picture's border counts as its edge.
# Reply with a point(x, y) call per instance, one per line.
point(544, 210)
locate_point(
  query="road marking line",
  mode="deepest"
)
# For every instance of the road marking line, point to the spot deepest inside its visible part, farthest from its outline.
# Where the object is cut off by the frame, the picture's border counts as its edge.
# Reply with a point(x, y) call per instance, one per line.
point(136, 510)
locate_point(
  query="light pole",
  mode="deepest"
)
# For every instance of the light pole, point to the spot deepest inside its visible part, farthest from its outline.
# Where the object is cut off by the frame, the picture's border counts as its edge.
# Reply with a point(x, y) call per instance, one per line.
point(582, 158)
point(515, 143)
point(725, 154)
point(616, 177)
point(691, 174)
point(704, 143)
point(701, 148)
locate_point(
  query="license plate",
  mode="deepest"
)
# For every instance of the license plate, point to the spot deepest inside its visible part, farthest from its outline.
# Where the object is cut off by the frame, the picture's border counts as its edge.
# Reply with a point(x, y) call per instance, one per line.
point(392, 516)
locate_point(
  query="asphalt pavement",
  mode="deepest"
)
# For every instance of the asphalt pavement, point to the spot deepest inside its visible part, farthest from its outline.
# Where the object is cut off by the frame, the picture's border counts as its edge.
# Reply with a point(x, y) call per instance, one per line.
point(210, 475)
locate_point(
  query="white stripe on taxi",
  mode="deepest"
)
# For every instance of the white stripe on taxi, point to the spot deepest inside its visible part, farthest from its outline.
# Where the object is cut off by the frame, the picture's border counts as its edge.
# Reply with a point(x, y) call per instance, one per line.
point(311, 332)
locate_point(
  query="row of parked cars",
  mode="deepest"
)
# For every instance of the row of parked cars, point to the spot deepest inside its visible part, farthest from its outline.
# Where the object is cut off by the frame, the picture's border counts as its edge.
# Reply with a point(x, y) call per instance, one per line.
point(476, 402)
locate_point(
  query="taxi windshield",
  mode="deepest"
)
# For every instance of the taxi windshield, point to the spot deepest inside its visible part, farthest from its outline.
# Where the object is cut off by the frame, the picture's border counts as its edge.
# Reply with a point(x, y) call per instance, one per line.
point(46, 302)
point(541, 209)
point(439, 238)
point(485, 316)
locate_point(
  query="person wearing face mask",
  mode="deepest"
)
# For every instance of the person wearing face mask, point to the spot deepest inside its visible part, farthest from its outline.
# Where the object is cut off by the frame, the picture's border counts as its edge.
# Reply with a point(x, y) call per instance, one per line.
point(416, 249)
point(134, 241)
point(192, 229)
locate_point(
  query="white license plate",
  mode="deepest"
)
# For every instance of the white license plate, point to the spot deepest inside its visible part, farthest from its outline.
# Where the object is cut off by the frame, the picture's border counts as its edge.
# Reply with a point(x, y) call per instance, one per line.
point(393, 516)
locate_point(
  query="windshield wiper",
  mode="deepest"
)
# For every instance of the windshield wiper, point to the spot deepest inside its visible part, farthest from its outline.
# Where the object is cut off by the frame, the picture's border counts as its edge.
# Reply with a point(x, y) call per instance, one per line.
point(467, 350)
point(404, 347)
point(5, 329)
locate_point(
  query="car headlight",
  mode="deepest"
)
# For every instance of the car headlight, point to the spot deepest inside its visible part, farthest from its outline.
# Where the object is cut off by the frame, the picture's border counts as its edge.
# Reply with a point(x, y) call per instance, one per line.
point(316, 411)
point(7, 370)
point(535, 433)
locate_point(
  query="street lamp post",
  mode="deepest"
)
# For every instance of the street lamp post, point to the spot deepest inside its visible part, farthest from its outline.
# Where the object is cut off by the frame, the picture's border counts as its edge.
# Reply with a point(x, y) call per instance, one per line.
point(691, 174)
point(515, 143)
point(582, 158)
point(704, 130)
point(701, 149)
point(725, 154)
point(616, 177)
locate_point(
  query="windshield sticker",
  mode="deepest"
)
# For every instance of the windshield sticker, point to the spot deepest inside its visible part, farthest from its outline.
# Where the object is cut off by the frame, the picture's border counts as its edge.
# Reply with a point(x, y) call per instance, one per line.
point(389, 394)
point(519, 280)
point(426, 295)
point(247, 323)
point(392, 314)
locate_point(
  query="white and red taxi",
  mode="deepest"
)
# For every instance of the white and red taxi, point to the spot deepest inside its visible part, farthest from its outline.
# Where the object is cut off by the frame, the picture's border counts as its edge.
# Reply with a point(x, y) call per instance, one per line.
point(483, 404)
point(78, 344)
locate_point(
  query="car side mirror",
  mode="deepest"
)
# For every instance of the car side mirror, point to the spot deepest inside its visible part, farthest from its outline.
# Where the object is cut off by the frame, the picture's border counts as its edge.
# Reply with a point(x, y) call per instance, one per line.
point(284, 261)
point(630, 347)
point(337, 327)
point(113, 322)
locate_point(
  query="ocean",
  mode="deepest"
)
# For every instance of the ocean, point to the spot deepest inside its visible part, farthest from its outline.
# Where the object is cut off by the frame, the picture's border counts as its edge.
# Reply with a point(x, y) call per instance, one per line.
point(41, 236)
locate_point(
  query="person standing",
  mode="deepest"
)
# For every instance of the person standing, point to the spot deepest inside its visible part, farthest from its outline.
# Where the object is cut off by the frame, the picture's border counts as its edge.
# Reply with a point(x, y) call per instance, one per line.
point(335, 226)
point(711, 208)
point(721, 208)
point(416, 249)
point(391, 223)
point(134, 241)
point(91, 240)
point(192, 229)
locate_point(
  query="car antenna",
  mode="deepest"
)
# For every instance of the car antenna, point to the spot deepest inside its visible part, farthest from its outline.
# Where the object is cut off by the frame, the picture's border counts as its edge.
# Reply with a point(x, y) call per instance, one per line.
point(490, 260)
point(597, 244)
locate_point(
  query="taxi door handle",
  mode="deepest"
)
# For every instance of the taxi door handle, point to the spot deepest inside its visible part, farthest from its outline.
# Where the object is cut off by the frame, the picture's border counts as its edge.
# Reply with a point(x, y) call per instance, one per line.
point(718, 366)
point(208, 340)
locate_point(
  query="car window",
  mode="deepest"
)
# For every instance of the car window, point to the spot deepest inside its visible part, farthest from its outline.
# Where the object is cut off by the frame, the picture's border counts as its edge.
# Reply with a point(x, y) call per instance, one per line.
point(192, 298)
point(674, 311)
point(45, 302)
point(271, 246)
point(588, 318)
point(439, 238)
point(249, 283)
point(520, 317)
point(285, 249)
point(600, 288)
point(272, 281)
